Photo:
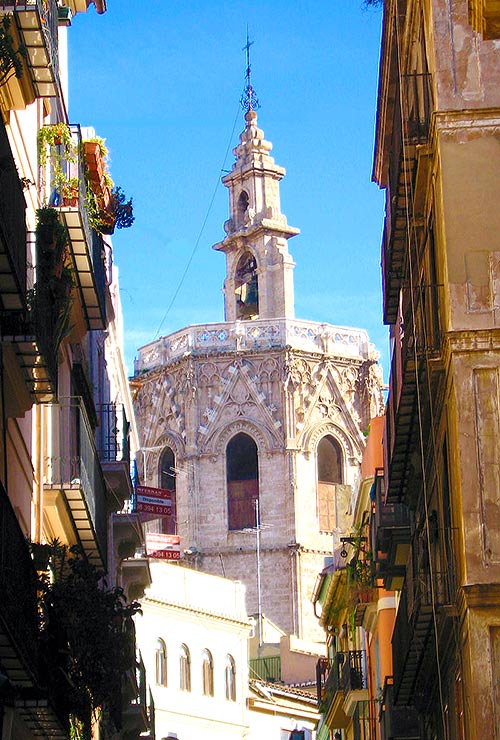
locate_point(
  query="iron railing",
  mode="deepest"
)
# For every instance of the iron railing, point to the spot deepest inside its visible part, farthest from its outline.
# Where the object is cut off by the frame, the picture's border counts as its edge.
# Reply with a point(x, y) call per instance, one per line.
point(12, 227)
point(267, 669)
point(35, 18)
point(75, 463)
point(113, 433)
point(354, 671)
point(18, 596)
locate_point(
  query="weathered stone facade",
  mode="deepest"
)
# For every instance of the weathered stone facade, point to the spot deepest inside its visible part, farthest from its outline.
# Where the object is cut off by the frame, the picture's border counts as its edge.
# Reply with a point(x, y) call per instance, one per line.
point(285, 383)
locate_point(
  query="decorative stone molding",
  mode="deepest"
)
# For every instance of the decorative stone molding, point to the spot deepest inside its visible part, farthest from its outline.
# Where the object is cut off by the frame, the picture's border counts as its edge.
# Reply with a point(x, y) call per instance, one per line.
point(312, 436)
point(264, 439)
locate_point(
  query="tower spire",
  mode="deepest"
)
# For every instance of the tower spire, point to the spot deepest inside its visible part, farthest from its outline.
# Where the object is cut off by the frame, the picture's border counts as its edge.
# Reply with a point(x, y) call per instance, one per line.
point(249, 100)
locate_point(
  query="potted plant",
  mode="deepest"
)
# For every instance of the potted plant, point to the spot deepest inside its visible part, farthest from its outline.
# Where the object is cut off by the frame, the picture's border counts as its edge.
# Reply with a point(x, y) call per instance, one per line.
point(55, 135)
point(70, 191)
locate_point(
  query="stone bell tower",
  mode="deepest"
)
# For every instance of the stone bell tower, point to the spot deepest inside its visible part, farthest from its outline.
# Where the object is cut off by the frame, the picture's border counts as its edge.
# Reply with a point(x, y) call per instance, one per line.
point(260, 413)
point(259, 267)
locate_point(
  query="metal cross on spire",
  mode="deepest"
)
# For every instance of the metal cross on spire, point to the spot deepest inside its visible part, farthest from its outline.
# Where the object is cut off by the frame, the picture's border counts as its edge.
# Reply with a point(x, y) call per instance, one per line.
point(249, 100)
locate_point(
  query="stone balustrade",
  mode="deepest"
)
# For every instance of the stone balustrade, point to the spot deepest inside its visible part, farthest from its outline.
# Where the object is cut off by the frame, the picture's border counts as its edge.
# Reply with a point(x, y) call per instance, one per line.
point(262, 334)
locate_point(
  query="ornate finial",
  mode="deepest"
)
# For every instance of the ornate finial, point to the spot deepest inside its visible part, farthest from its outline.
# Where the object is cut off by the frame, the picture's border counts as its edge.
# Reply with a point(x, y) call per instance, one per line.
point(249, 100)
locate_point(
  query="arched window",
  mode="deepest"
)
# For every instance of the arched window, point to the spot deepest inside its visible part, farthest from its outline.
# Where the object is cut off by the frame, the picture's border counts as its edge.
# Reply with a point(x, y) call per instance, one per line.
point(161, 662)
point(184, 669)
point(329, 475)
point(243, 201)
point(242, 481)
point(230, 678)
point(247, 287)
point(208, 673)
point(167, 481)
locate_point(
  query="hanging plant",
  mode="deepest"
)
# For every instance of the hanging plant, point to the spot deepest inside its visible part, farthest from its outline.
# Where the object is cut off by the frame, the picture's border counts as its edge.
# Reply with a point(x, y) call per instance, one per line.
point(11, 60)
point(49, 301)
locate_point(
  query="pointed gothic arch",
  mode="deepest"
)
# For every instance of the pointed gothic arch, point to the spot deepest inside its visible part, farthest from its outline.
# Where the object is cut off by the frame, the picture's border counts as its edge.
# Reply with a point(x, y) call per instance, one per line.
point(242, 471)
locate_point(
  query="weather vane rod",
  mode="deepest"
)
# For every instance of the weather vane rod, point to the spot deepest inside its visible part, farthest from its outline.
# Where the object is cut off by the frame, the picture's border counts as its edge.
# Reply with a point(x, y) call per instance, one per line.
point(249, 100)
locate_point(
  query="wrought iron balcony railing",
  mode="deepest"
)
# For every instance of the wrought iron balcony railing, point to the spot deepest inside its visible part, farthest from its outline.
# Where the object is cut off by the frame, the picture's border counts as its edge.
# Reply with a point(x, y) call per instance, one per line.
point(113, 433)
point(36, 22)
point(87, 247)
point(354, 671)
point(411, 124)
point(18, 600)
point(73, 468)
point(13, 254)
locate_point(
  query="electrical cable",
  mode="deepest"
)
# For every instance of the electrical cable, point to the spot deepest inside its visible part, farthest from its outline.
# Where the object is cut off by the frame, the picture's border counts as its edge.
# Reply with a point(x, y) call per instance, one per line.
point(200, 233)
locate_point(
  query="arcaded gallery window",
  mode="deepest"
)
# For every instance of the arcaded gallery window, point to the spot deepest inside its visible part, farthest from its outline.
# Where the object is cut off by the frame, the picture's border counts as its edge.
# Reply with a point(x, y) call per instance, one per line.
point(208, 673)
point(329, 476)
point(185, 669)
point(247, 287)
point(242, 481)
point(230, 678)
point(167, 481)
point(161, 663)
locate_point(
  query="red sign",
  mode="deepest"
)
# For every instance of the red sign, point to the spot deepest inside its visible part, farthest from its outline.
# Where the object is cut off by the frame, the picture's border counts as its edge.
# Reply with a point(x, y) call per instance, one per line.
point(154, 500)
point(163, 546)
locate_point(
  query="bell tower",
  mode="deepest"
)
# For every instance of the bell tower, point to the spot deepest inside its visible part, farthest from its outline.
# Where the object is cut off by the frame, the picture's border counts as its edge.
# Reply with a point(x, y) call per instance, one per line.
point(259, 267)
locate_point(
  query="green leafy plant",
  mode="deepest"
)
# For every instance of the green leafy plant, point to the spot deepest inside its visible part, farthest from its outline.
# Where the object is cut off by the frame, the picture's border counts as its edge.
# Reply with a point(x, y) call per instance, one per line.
point(11, 59)
point(56, 147)
point(49, 301)
point(87, 634)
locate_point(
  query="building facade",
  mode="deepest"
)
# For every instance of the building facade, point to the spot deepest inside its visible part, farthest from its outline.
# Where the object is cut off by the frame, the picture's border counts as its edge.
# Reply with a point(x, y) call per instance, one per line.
point(65, 409)
point(193, 636)
point(256, 423)
point(437, 156)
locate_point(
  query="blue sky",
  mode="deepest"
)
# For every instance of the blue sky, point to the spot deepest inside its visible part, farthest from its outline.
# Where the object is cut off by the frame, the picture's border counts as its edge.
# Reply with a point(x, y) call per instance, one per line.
point(161, 82)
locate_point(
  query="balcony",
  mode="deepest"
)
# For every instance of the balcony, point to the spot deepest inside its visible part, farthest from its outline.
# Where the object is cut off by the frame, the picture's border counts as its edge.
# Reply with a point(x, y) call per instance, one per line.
point(484, 17)
point(397, 722)
point(113, 447)
point(35, 28)
point(136, 713)
point(330, 691)
point(416, 339)
point(86, 244)
point(74, 482)
point(413, 641)
point(267, 669)
point(63, 166)
point(18, 598)
point(391, 536)
point(354, 680)
point(13, 255)
point(410, 130)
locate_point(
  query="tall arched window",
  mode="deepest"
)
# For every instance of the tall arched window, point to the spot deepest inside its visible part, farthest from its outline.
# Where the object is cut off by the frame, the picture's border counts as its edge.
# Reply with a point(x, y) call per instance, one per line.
point(161, 662)
point(230, 678)
point(208, 673)
point(184, 669)
point(247, 287)
point(329, 474)
point(242, 481)
point(167, 481)
point(243, 201)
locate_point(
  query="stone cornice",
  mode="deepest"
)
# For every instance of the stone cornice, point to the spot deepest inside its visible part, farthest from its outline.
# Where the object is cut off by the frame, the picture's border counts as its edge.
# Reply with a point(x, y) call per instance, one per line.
point(479, 595)
point(470, 121)
point(467, 341)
